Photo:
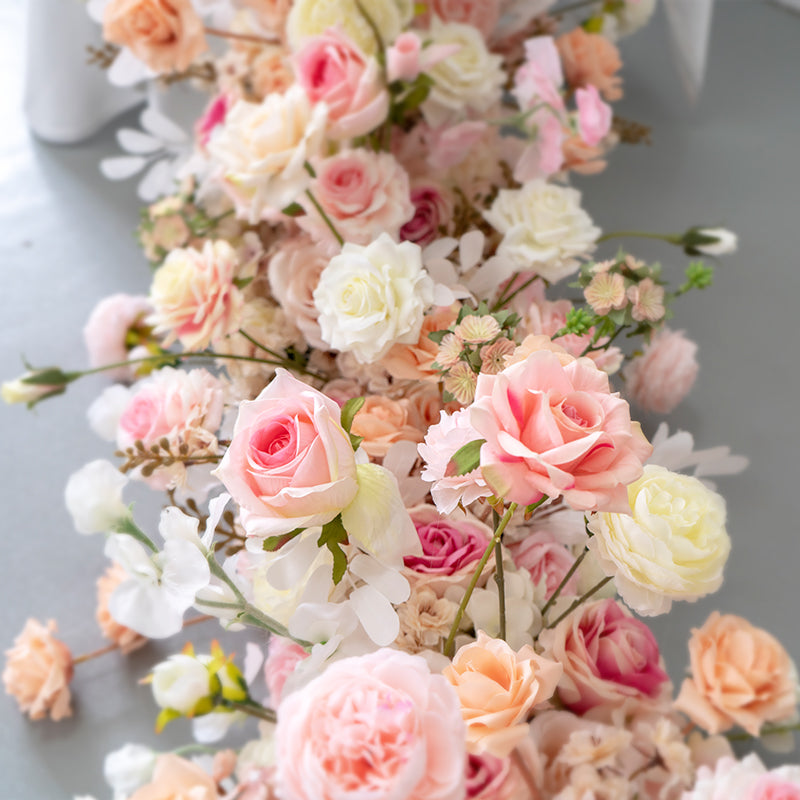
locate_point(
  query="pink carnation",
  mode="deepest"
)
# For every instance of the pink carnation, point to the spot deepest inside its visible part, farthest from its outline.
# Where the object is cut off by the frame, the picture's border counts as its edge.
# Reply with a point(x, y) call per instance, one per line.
point(665, 372)
point(333, 70)
point(378, 726)
point(363, 193)
point(556, 430)
point(283, 655)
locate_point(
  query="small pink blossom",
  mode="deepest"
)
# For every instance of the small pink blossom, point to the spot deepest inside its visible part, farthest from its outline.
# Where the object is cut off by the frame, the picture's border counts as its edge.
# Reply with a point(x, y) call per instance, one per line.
point(493, 356)
point(540, 78)
point(594, 116)
point(477, 330)
point(606, 291)
point(461, 381)
point(214, 115)
point(403, 58)
point(648, 301)
point(333, 70)
point(660, 378)
point(450, 349)
point(283, 655)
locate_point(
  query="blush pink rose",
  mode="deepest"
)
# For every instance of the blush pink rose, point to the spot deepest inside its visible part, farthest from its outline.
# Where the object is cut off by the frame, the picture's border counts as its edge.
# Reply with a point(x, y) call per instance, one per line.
point(283, 655)
point(490, 778)
point(540, 78)
point(379, 726)
point(594, 116)
point(547, 561)
point(333, 70)
point(290, 463)
point(363, 193)
point(481, 14)
point(608, 657)
point(107, 328)
point(557, 430)
point(432, 212)
point(660, 378)
point(174, 778)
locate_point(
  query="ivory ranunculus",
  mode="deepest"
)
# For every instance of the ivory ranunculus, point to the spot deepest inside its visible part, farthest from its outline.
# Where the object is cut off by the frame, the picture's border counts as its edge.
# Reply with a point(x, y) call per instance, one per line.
point(290, 463)
point(671, 546)
point(371, 298)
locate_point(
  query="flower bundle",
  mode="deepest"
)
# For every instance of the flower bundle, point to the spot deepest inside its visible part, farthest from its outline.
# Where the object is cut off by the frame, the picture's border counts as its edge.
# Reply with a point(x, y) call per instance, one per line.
point(375, 378)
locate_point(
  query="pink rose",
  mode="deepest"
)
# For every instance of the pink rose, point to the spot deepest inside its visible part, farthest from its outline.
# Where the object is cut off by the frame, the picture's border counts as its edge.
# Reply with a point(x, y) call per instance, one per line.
point(547, 561)
point(106, 331)
point(363, 193)
point(544, 156)
point(747, 779)
point(490, 778)
point(403, 58)
point(290, 463)
point(432, 211)
point(608, 656)
point(540, 78)
point(481, 14)
point(594, 116)
point(378, 726)
point(664, 374)
point(333, 70)
point(283, 655)
point(214, 115)
point(554, 430)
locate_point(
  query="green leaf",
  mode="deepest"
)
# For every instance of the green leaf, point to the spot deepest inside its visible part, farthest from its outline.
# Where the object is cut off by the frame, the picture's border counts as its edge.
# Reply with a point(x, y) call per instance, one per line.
point(355, 441)
point(49, 376)
point(165, 717)
point(437, 336)
point(241, 283)
point(293, 210)
point(333, 536)
point(466, 458)
point(349, 410)
point(273, 543)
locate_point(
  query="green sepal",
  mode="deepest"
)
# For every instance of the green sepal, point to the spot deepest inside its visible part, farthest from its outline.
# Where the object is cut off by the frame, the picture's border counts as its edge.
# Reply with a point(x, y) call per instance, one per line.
point(242, 283)
point(273, 543)
point(165, 717)
point(349, 411)
point(466, 458)
point(49, 376)
point(437, 336)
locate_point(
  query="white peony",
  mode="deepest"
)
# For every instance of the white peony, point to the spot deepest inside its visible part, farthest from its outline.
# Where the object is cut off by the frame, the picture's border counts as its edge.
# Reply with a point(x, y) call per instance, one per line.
point(672, 546)
point(371, 298)
point(544, 228)
point(263, 148)
point(470, 78)
point(93, 496)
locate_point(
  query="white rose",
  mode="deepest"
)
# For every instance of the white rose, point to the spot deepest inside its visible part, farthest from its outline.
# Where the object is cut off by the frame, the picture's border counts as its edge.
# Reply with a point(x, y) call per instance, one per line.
point(673, 545)
point(93, 496)
point(180, 683)
point(471, 77)
point(313, 17)
point(263, 148)
point(370, 298)
point(544, 228)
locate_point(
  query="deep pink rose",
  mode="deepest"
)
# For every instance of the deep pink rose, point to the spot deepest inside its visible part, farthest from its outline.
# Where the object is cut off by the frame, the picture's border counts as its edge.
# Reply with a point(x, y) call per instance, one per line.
point(608, 656)
point(546, 561)
point(290, 463)
point(432, 210)
point(379, 726)
point(333, 70)
point(557, 430)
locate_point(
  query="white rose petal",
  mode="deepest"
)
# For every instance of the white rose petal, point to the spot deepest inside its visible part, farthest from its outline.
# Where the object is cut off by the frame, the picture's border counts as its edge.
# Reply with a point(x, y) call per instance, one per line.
point(93, 496)
point(128, 768)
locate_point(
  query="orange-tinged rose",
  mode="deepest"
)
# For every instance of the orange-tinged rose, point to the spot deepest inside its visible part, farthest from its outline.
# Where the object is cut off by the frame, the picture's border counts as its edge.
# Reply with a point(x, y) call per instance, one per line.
point(498, 688)
point(591, 59)
point(175, 778)
point(166, 34)
point(741, 675)
point(382, 422)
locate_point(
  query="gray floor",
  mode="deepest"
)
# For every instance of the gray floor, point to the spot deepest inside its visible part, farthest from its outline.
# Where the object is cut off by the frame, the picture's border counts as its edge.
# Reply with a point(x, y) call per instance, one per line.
point(733, 160)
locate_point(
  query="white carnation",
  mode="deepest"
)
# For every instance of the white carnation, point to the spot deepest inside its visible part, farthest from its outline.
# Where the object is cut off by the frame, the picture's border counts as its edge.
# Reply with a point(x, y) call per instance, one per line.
point(370, 298)
point(544, 228)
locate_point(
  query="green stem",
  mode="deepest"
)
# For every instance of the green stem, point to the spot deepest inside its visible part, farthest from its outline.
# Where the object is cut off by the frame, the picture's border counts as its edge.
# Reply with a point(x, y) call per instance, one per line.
point(582, 599)
point(664, 237)
point(284, 361)
point(253, 709)
point(449, 645)
point(574, 7)
point(325, 217)
point(592, 348)
point(499, 578)
point(742, 736)
point(506, 300)
point(129, 527)
point(564, 581)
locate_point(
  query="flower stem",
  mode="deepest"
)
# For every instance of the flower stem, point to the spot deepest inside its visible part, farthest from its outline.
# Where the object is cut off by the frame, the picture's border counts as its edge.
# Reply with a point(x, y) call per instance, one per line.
point(286, 362)
point(582, 599)
point(96, 653)
point(664, 237)
point(242, 37)
point(449, 645)
point(743, 736)
point(253, 709)
point(499, 578)
point(506, 300)
point(127, 526)
point(564, 581)
point(325, 217)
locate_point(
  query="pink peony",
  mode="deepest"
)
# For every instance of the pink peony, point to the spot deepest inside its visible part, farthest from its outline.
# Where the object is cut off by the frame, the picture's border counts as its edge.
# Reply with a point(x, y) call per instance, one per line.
point(106, 331)
point(547, 561)
point(608, 657)
point(378, 726)
point(432, 211)
point(363, 193)
point(556, 430)
point(290, 463)
point(333, 70)
point(664, 374)
point(283, 655)
point(594, 116)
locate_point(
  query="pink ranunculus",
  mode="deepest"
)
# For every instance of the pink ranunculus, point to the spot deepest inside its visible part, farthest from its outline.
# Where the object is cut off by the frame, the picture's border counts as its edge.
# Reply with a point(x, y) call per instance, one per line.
point(556, 430)
point(106, 331)
point(664, 374)
point(547, 561)
point(403, 58)
point(214, 115)
point(432, 210)
point(481, 14)
point(608, 657)
point(378, 726)
point(333, 70)
point(594, 116)
point(290, 463)
point(283, 655)
point(363, 193)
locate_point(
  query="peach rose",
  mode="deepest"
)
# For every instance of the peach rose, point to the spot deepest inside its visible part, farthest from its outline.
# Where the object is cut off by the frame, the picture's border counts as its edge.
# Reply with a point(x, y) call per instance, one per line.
point(741, 675)
point(166, 34)
point(175, 778)
point(290, 463)
point(591, 59)
point(125, 638)
point(38, 671)
point(382, 422)
point(498, 689)
point(270, 72)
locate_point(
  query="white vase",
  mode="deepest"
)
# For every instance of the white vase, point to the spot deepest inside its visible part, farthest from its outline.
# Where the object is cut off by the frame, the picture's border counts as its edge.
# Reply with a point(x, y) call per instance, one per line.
point(67, 99)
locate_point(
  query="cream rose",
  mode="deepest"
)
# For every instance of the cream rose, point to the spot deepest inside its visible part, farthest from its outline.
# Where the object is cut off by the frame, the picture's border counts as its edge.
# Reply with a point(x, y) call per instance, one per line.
point(470, 78)
point(262, 149)
point(544, 228)
point(371, 298)
point(672, 546)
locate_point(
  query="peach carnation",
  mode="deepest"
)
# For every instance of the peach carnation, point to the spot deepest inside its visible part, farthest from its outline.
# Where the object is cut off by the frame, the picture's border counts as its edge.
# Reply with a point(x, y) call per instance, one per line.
point(38, 670)
point(126, 639)
point(591, 59)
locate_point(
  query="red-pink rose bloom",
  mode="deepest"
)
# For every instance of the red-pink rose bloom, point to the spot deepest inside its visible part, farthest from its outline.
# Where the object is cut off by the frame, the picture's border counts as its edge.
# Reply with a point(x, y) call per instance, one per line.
point(283, 655)
point(432, 210)
point(290, 463)
point(547, 561)
point(333, 70)
point(556, 430)
point(379, 726)
point(664, 374)
point(364, 194)
point(608, 656)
